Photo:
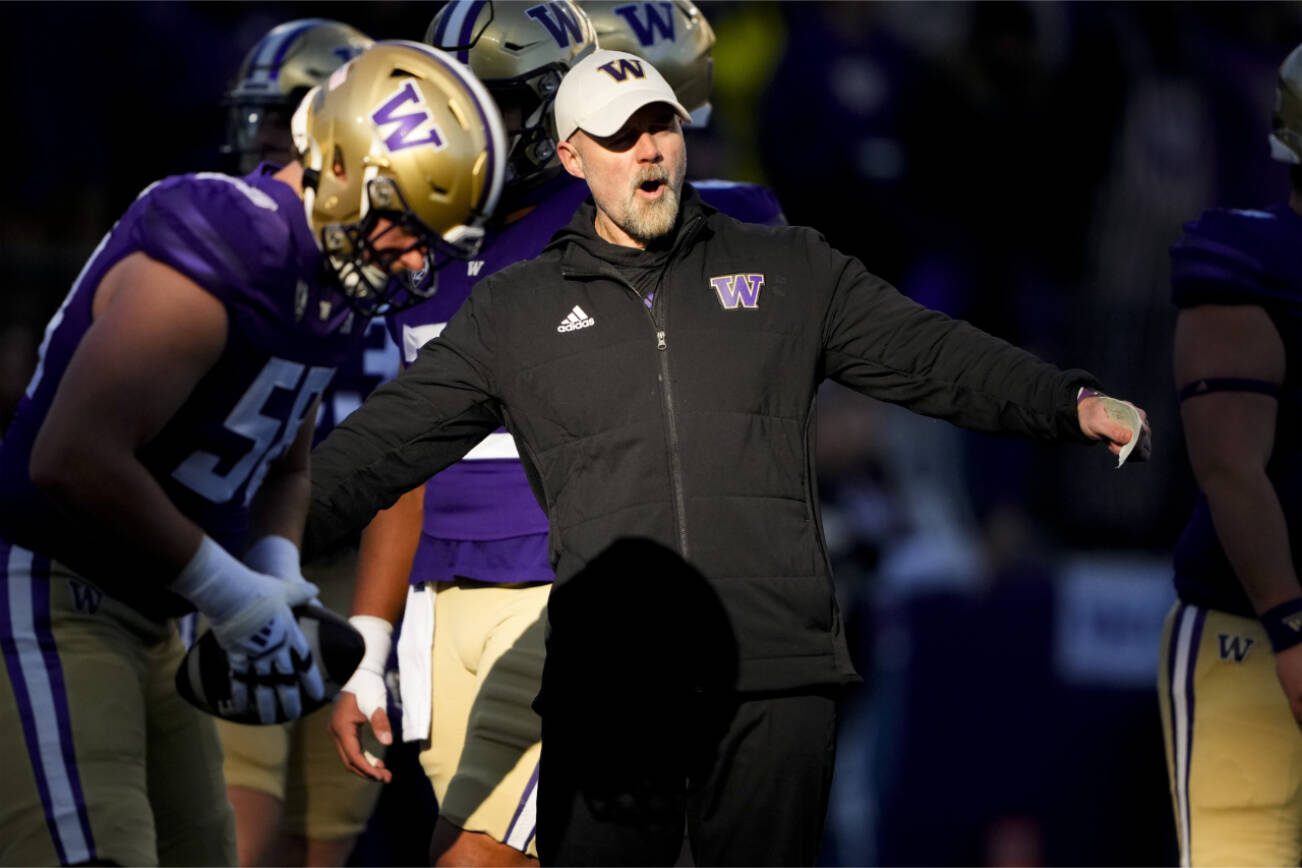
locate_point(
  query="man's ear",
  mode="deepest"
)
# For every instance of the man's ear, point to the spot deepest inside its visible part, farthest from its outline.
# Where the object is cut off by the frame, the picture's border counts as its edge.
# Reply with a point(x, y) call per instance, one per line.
point(570, 158)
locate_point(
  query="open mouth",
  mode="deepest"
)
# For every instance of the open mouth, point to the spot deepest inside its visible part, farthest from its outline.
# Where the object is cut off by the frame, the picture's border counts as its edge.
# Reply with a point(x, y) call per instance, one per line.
point(651, 187)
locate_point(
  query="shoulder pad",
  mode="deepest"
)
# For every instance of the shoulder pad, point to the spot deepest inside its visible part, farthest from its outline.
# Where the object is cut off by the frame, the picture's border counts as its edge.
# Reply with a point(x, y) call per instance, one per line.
point(219, 231)
point(749, 203)
point(1237, 257)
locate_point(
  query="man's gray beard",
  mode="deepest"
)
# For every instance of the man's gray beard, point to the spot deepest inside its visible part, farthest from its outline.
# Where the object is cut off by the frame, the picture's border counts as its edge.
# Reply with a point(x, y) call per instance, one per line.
point(644, 222)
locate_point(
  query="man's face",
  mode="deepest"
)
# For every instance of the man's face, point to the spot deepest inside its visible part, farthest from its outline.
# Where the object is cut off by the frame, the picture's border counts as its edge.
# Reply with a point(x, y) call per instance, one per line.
point(396, 248)
point(636, 175)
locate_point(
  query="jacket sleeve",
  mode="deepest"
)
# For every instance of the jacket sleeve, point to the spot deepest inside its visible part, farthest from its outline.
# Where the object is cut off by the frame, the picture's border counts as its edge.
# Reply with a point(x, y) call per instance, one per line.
point(407, 430)
point(883, 344)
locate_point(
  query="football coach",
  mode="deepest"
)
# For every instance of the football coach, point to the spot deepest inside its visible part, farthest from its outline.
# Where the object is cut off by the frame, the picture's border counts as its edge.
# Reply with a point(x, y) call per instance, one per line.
point(657, 365)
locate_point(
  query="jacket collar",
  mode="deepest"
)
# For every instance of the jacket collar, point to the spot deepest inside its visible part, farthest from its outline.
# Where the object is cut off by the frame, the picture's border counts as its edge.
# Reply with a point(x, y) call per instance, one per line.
point(579, 240)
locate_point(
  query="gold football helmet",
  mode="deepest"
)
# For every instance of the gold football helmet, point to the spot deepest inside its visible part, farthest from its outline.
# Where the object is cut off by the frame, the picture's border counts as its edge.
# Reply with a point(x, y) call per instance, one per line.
point(520, 51)
point(1286, 134)
point(405, 133)
point(672, 34)
point(276, 73)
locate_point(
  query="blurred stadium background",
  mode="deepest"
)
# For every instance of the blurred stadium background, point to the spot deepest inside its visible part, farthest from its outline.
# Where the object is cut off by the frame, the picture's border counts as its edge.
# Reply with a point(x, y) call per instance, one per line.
point(1024, 166)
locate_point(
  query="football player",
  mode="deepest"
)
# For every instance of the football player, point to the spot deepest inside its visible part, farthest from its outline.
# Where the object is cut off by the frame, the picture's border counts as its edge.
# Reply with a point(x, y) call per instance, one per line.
point(294, 804)
point(483, 550)
point(275, 75)
point(158, 461)
point(1231, 670)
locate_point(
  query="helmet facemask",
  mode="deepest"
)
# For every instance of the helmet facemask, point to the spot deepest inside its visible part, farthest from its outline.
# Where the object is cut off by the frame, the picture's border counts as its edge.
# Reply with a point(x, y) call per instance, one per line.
point(1286, 122)
point(274, 77)
point(526, 106)
point(364, 269)
point(257, 131)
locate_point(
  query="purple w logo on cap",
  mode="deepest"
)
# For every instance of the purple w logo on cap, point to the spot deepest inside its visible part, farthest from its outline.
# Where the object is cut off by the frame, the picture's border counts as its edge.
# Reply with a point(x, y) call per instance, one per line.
point(406, 135)
point(738, 289)
point(621, 69)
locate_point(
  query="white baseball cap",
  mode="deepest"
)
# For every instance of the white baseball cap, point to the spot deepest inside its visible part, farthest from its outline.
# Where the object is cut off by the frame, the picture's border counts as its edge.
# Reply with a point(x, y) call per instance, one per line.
point(603, 90)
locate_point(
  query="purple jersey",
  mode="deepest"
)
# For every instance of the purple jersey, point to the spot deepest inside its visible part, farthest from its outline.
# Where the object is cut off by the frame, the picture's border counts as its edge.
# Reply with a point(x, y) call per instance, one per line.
point(247, 242)
point(376, 361)
point(481, 518)
point(1244, 257)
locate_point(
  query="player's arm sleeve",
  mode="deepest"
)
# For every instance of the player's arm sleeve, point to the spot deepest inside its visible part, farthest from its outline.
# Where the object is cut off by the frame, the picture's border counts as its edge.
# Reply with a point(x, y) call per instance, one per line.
point(883, 344)
point(409, 429)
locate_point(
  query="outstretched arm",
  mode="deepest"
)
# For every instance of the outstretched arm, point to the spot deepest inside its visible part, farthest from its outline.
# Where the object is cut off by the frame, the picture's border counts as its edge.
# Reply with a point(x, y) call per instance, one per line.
point(406, 431)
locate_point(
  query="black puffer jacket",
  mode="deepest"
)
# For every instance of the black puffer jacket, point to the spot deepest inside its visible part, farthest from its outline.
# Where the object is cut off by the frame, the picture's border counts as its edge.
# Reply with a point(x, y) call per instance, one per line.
point(691, 423)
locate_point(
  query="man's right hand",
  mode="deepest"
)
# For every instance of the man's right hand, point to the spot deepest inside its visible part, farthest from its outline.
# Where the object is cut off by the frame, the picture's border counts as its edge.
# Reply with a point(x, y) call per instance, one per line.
point(364, 700)
point(1288, 667)
point(361, 701)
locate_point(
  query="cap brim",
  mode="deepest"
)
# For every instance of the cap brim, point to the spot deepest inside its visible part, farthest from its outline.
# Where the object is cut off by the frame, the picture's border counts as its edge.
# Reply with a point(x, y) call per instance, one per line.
point(611, 117)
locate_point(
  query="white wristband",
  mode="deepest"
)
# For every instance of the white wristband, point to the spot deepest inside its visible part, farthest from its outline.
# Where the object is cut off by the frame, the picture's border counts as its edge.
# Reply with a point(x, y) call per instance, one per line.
point(274, 555)
point(378, 635)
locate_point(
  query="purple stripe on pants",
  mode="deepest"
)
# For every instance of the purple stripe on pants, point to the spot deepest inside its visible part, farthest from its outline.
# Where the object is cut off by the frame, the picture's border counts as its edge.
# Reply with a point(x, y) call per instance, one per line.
point(45, 634)
point(10, 649)
point(23, 634)
point(519, 810)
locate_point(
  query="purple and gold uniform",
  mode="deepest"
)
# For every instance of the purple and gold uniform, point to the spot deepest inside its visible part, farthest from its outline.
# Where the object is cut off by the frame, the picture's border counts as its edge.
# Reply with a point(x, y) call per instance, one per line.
point(113, 765)
point(484, 528)
point(1234, 752)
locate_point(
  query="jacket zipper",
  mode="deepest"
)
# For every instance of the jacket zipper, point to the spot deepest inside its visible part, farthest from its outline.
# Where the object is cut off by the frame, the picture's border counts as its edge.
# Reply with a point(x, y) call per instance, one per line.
point(666, 390)
point(671, 422)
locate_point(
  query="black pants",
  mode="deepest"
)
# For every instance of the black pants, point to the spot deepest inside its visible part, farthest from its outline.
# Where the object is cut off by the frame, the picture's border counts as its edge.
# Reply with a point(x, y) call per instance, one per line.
point(748, 775)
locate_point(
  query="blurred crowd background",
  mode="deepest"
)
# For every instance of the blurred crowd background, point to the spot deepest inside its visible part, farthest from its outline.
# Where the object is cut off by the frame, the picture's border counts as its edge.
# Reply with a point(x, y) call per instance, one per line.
point(1022, 165)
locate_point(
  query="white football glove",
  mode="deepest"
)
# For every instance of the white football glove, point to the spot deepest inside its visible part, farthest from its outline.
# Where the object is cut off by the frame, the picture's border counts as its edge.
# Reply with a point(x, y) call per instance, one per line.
point(277, 556)
point(251, 618)
point(367, 682)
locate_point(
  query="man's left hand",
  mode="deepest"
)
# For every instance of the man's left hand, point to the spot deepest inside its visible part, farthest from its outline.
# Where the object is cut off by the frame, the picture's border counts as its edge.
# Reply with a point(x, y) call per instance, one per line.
point(1109, 419)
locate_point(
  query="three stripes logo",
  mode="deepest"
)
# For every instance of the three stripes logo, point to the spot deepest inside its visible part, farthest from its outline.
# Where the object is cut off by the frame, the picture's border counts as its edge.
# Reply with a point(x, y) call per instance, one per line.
point(575, 320)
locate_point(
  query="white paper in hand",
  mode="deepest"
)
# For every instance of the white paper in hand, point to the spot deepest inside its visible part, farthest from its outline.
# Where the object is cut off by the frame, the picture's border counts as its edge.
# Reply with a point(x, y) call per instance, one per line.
point(1127, 414)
